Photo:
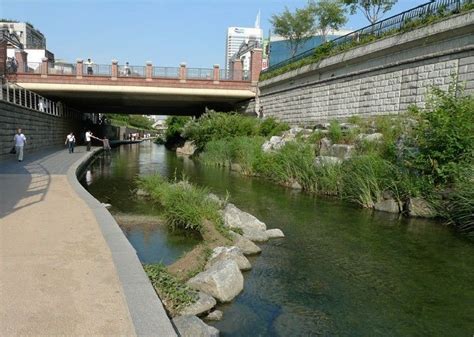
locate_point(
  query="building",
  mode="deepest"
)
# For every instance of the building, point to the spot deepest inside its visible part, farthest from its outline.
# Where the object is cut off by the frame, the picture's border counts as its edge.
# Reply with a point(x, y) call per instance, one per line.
point(30, 37)
point(238, 35)
point(279, 49)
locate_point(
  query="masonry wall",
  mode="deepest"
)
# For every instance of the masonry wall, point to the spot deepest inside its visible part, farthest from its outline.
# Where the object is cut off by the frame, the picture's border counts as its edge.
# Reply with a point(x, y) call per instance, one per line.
point(41, 130)
point(384, 77)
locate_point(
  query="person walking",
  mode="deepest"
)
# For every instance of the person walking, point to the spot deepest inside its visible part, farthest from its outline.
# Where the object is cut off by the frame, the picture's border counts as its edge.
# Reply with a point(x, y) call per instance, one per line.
point(70, 142)
point(88, 139)
point(19, 140)
point(89, 67)
point(126, 70)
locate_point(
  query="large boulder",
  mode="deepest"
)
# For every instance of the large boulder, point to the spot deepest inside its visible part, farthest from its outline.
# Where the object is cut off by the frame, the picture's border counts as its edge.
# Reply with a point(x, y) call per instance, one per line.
point(188, 149)
point(191, 326)
point(247, 246)
point(274, 233)
point(252, 228)
point(324, 146)
point(275, 143)
point(204, 303)
point(223, 280)
point(229, 253)
point(373, 137)
point(388, 205)
point(418, 207)
point(342, 151)
point(216, 315)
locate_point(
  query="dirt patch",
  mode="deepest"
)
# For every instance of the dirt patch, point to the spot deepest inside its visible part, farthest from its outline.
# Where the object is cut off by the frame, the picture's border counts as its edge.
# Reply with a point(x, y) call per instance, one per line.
point(195, 260)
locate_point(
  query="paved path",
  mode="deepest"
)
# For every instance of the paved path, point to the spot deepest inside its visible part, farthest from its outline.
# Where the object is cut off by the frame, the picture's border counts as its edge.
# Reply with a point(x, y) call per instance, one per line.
point(65, 267)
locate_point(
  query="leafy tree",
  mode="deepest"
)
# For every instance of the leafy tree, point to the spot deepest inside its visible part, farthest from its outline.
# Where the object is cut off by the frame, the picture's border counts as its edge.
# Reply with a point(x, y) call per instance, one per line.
point(372, 9)
point(296, 27)
point(330, 14)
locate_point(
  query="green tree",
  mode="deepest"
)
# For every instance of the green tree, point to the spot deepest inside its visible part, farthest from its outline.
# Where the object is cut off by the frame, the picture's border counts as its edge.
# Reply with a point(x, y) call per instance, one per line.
point(372, 9)
point(296, 27)
point(330, 14)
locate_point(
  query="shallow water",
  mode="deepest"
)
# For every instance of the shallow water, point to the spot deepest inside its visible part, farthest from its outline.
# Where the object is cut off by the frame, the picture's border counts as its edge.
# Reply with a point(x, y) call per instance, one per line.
point(340, 271)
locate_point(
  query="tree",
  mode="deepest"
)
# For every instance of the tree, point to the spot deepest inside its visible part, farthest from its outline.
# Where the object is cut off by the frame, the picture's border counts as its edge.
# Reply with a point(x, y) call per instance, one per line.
point(296, 27)
point(330, 14)
point(372, 9)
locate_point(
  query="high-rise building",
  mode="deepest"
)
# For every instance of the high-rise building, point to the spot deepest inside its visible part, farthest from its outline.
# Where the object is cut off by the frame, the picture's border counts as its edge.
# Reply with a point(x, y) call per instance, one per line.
point(237, 35)
point(30, 37)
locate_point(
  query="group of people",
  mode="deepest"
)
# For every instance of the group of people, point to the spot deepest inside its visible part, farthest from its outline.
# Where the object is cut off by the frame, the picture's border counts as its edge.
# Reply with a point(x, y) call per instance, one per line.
point(71, 141)
point(90, 68)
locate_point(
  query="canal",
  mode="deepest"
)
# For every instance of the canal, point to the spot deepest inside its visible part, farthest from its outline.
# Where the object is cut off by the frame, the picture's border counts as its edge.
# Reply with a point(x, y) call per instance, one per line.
point(340, 271)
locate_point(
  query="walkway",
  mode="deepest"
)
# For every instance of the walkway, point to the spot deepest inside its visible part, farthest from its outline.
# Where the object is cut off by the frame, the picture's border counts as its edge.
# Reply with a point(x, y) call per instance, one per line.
point(65, 266)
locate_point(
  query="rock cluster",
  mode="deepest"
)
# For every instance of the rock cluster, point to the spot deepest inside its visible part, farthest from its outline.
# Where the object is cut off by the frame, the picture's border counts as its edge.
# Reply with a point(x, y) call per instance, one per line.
point(187, 149)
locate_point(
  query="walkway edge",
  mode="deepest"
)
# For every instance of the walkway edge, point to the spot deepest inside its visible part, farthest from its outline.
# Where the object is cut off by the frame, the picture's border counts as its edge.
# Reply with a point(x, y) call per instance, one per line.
point(148, 315)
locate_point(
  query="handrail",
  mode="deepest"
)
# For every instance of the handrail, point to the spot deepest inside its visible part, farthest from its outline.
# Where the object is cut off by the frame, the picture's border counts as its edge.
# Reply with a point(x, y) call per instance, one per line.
point(393, 23)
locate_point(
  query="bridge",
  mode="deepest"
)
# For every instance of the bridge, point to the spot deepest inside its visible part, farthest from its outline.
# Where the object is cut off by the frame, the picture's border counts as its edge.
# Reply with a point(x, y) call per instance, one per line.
point(145, 89)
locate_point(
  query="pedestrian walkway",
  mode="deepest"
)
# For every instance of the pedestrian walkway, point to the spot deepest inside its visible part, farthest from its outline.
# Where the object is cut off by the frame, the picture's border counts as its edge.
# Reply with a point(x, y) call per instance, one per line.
point(60, 274)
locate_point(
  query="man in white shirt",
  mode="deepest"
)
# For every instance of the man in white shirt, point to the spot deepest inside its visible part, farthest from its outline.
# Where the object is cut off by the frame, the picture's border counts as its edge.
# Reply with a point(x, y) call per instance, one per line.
point(88, 139)
point(20, 141)
point(70, 142)
point(89, 65)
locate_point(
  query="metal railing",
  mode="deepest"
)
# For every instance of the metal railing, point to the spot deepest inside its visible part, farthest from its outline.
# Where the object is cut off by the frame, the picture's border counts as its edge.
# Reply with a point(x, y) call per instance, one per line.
point(394, 23)
point(33, 67)
point(166, 72)
point(17, 95)
point(228, 75)
point(131, 71)
point(61, 68)
point(200, 73)
point(97, 69)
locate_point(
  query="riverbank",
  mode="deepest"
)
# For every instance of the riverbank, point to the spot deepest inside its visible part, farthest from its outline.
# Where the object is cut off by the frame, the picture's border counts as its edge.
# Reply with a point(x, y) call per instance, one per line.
point(56, 261)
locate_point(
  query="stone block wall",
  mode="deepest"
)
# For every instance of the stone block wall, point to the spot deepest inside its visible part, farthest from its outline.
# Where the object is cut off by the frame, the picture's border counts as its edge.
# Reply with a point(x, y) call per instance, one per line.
point(41, 130)
point(385, 77)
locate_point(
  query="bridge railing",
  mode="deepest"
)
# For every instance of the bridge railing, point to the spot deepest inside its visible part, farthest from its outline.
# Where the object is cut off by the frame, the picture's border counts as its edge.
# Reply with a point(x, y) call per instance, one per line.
point(17, 95)
point(200, 73)
point(234, 75)
point(97, 70)
point(165, 72)
point(131, 71)
point(57, 68)
point(399, 22)
point(33, 67)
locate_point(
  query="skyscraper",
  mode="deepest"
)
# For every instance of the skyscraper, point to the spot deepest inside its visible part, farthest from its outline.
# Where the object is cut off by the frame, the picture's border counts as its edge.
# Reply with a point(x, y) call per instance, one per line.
point(237, 35)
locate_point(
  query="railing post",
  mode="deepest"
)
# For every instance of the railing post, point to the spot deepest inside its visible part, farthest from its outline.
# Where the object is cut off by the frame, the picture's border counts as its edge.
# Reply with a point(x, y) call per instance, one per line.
point(182, 72)
point(79, 68)
point(8, 92)
point(216, 74)
point(114, 70)
point(31, 100)
point(22, 59)
point(236, 70)
point(44, 67)
point(148, 71)
point(255, 64)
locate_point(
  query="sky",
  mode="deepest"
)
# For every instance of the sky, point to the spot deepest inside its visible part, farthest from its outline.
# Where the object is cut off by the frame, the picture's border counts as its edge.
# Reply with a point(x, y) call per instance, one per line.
point(165, 32)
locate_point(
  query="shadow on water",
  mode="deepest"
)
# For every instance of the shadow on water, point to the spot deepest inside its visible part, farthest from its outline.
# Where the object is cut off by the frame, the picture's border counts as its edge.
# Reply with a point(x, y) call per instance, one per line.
point(340, 271)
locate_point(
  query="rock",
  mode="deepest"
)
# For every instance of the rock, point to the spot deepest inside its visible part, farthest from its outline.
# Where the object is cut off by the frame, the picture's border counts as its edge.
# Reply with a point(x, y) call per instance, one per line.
point(204, 303)
point(322, 126)
point(418, 207)
point(216, 199)
point(106, 205)
point(276, 143)
point(374, 137)
point(247, 246)
point(142, 193)
point(342, 151)
point(326, 160)
point(387, 195)
point(275, 233)
point(389, 205)
point(296, 185)
point(229, 253)
point(191, 326)
point(216, 315)
point(236, 167)
point(267, 146)
point(253, 229)
point(188, 149)
point(324, 146)
point(348, 126)
point(223, 280)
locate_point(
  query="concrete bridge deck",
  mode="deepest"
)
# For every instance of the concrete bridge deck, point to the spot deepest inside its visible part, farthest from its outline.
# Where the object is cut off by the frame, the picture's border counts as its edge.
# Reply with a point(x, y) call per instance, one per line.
point(65, 266)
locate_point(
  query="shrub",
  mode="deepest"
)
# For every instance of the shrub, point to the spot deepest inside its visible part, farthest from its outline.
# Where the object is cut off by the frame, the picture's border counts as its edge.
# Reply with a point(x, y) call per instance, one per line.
point(175, 126)
point(271, 127)
point(444, 135)
point(175, 294)
point(245, 152)
point(217, 152)
point(335, 132)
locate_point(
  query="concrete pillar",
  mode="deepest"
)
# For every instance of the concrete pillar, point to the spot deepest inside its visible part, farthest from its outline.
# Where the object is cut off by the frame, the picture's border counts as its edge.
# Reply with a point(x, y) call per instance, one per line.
point(22, 60)
point(114, 69)
point(255, 64)
point(216, 73)
point(44, 67)
point(79, 68)
point(182, 72)
point(236, 69)
point(149, 71)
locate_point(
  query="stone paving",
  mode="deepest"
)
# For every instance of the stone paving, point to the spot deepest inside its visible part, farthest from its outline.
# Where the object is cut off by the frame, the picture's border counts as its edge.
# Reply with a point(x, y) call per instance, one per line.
point(66, 269)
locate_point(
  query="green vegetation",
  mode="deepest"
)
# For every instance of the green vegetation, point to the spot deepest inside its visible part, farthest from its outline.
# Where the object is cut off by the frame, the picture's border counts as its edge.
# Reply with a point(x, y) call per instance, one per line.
point(328, 49)
point(175, 294)
point(330, 15)
point(425, 153)
point(372, 9)
point(175, 126)
point(184, 205)
point(133, 121)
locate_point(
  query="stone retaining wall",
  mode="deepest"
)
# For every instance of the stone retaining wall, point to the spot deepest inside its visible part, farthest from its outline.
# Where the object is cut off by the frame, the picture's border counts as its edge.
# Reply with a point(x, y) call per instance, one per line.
point(41, 130)
point(383, 77)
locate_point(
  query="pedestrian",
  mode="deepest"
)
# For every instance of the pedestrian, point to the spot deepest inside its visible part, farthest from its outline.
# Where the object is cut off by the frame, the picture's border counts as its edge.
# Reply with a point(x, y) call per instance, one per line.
point(105, 143)
point(126, 69)
point(70, 142)
point(89, 66)
point(41, 104)
point(88, 140)
point(19, 141)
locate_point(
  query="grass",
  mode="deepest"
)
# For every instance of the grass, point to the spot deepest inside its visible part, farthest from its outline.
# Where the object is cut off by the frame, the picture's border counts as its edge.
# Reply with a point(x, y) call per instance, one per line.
point(174, 293)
